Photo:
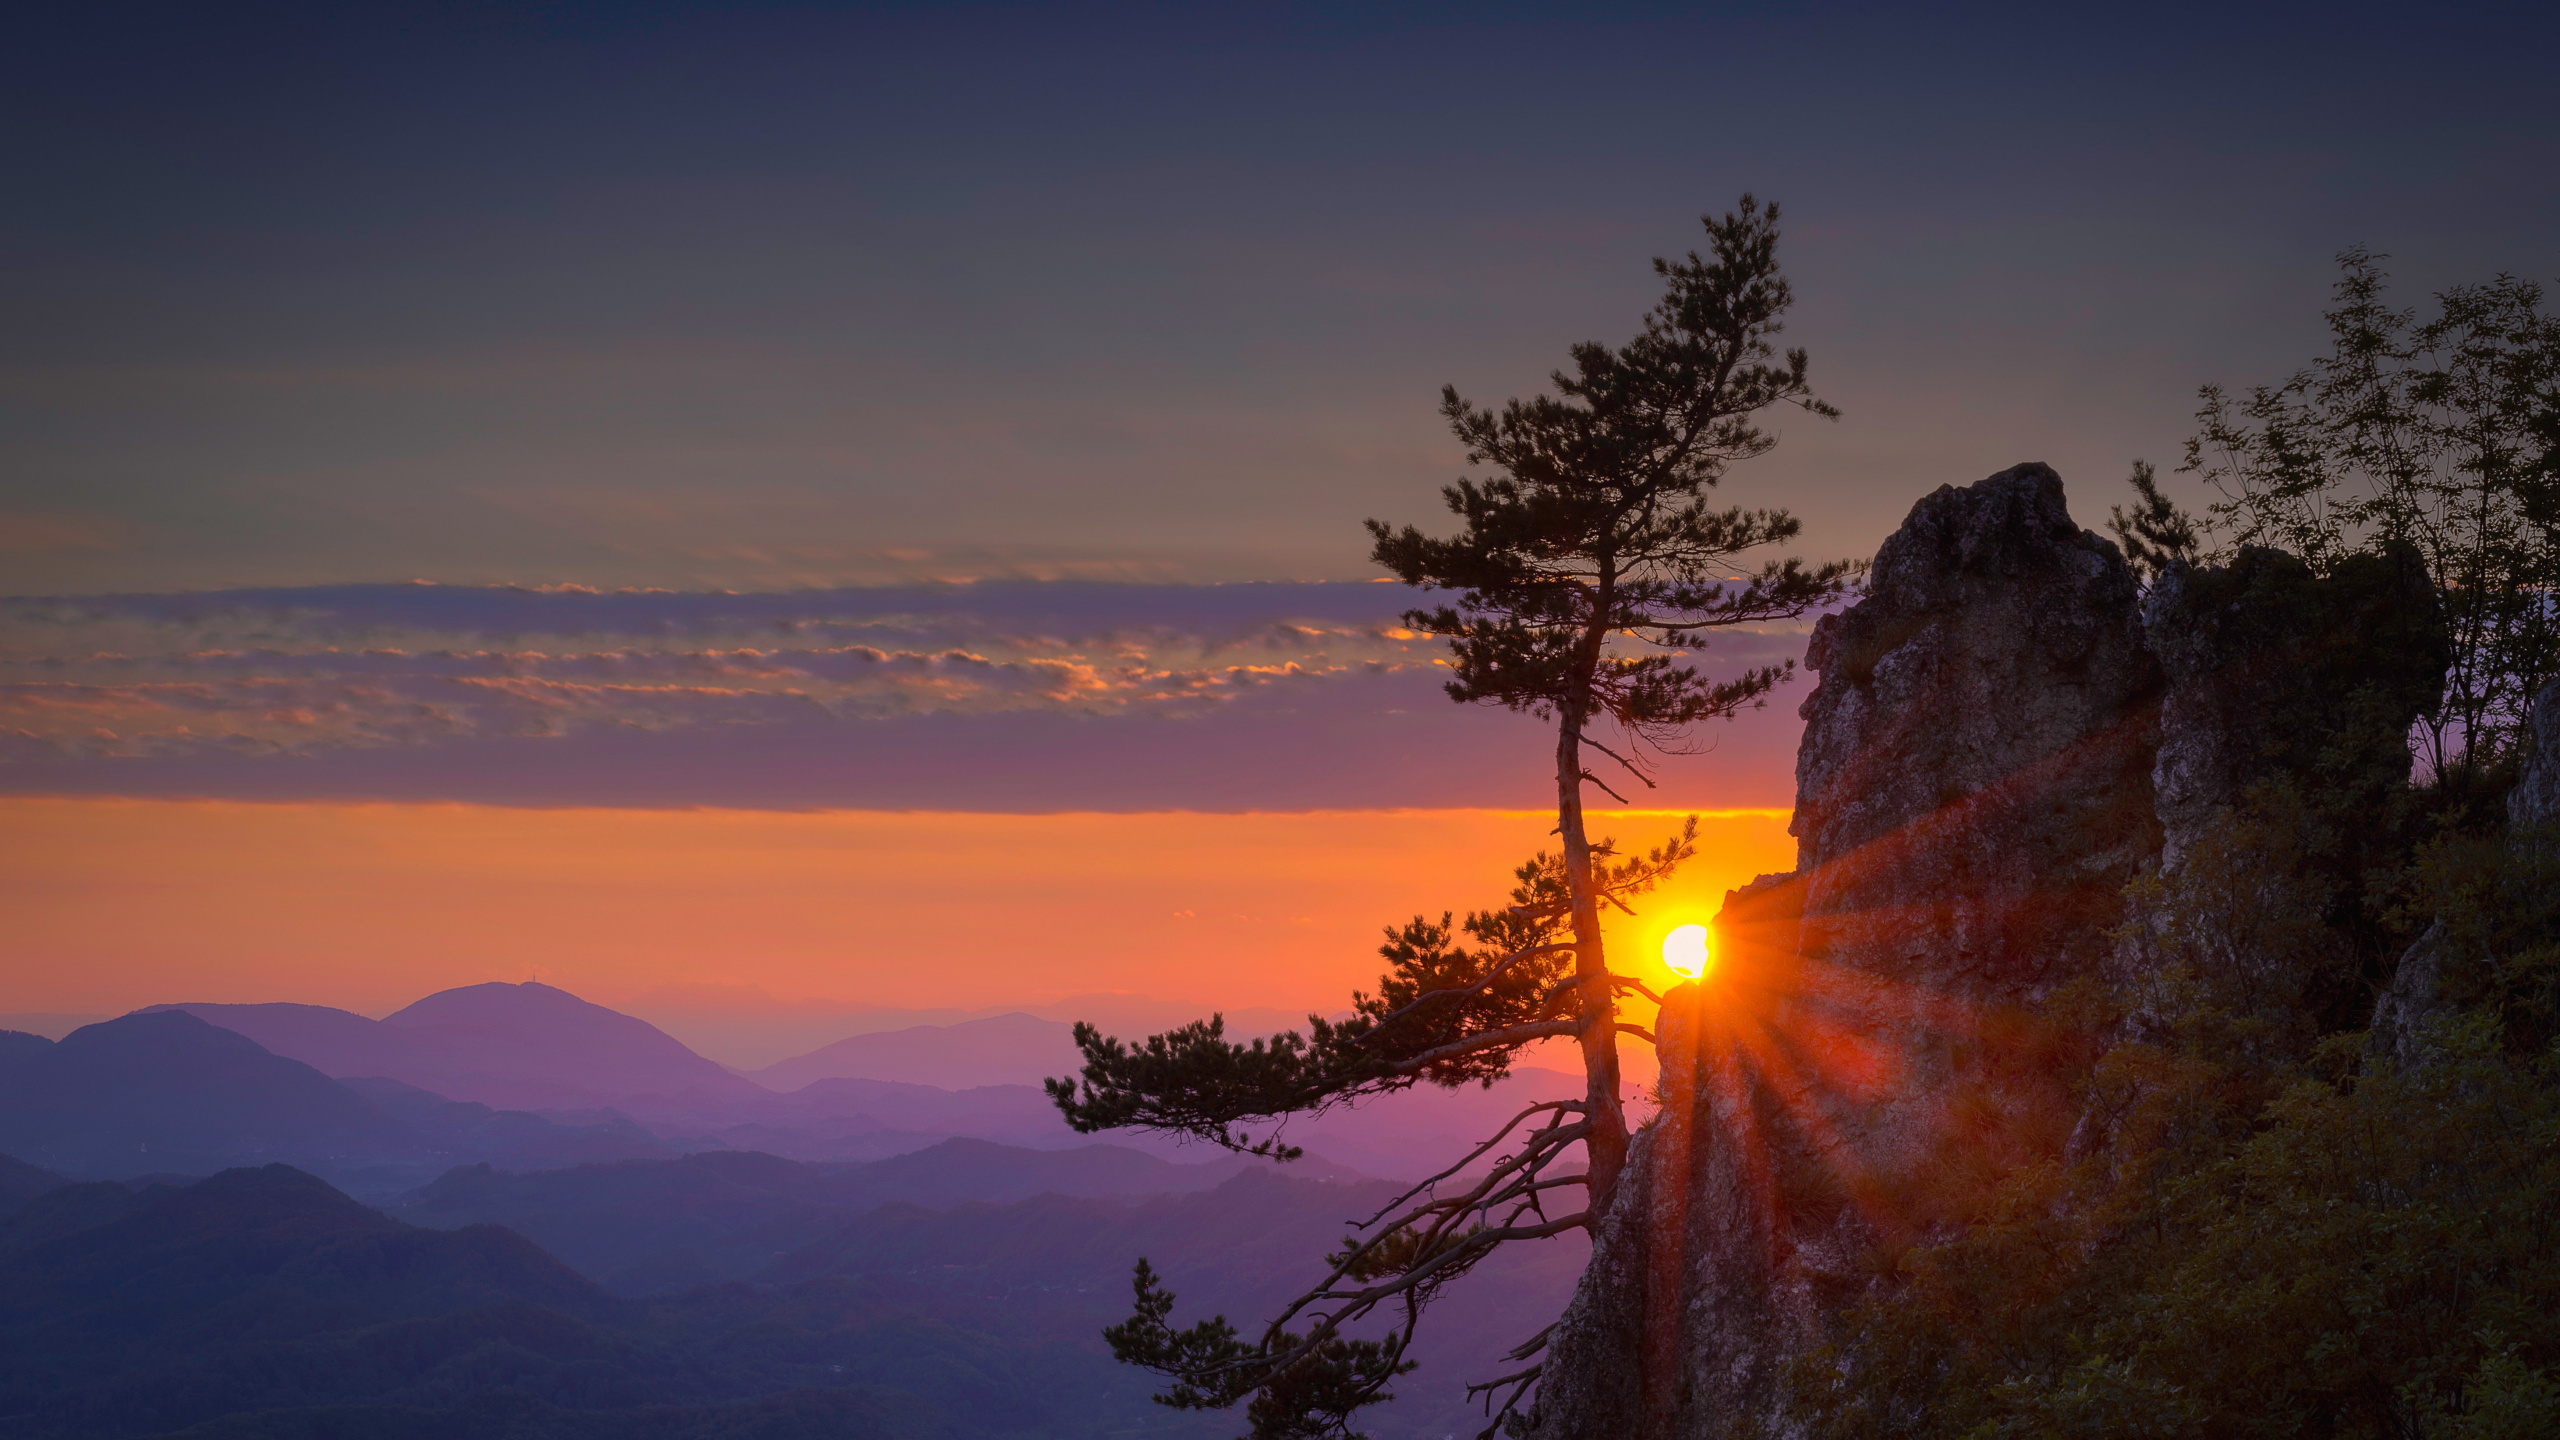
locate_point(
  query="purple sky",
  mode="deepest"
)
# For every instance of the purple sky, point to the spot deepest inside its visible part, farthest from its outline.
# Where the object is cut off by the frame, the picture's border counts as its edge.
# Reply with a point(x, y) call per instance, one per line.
point(1005, 696)
point(788, 299)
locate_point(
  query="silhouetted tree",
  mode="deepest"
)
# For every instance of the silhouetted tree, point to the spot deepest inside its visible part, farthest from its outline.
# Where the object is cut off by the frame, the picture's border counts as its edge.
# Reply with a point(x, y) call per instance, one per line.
point(2156, 533)
point(2442, 434)
point(1590, 565)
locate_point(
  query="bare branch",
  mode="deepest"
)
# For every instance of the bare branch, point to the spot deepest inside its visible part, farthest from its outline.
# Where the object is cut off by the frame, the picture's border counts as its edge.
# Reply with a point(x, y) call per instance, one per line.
point(1629, 982)
point(1559, 1106)
point(1604, 785)
point(1632, 767)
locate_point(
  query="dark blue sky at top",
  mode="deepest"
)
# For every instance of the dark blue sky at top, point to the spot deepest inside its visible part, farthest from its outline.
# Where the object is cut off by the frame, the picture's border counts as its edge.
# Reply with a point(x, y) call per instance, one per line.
point(774, 298)
point(762, 297)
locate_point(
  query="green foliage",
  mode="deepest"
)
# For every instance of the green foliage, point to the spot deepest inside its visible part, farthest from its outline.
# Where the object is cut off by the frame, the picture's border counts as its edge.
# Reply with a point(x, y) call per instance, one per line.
point(2155, 533)
point(2314, 682)
point(1595, 527)
point(2264, 1230)
point(2506, 1400)
point(1444, 1013)
point(2442, 434)
point(1589, 567)
point(1299, 1391)
point(2493, 907)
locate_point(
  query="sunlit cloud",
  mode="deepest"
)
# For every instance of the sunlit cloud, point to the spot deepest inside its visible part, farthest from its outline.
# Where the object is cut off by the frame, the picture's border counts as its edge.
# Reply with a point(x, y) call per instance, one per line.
point(1024, 694)
point(409, 665)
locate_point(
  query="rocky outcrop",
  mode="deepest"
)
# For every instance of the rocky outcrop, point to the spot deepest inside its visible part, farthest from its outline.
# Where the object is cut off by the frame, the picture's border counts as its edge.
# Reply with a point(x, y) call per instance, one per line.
point(2417, 995)
point(1973, 793)
point(1973, 787)
point(2272, 671)
point(2005, 733)
point(2535, 802)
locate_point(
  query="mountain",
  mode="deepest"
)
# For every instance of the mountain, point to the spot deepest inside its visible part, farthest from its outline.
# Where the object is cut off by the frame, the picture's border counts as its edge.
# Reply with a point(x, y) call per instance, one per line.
point(261, 1303)
point(869, 1119)
point(1242, 1249)
point(532, 1046)
point(21, 1183)
point(963, 1170)
point(334, 1042)
point(1239, 1246)
point(68, 1209)
point(249, 1261)
point(1045, 1272)
point(1404, 1135)
point(513, 1047)
point(748, 1028)
point(519, 1048)
point(163, 1092)
point(18, 1045)
point(1014, 1049)
point(264, 1303)
point(643, 1227)
point(158, 1092)
point(509, 1139)
point(256, 1254)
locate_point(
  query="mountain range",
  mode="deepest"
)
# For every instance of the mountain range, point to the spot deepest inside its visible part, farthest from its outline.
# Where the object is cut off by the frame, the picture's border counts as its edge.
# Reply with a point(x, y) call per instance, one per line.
point(592, 1231)
point(1014, 1049)
point(513, 1047)
point(643, 1227)
point(164, 1092)
point(263, 1303)
point(531, 1076)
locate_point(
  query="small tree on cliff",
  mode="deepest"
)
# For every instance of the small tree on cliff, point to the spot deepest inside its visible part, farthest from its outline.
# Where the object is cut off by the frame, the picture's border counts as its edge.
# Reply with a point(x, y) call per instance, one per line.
point(2440, 433)
point(1590, 564)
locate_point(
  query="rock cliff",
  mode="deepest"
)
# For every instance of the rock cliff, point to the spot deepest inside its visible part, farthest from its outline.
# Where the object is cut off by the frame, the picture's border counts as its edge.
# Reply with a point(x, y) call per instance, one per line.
point(2272, 671)
point(1983, 770)
point(2535, 802)
point(2417, 994)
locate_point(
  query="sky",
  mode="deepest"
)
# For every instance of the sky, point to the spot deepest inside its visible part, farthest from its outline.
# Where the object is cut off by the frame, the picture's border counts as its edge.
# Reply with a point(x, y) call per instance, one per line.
point(519, 469)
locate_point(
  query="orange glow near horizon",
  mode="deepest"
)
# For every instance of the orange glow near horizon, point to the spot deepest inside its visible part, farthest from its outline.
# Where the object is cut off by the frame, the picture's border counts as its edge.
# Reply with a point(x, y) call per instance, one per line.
point(120, 903)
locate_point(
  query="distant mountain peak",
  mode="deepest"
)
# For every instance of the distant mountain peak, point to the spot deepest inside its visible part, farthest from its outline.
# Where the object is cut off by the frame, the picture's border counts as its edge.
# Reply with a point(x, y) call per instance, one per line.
point(510, 1045)
point(499, 1000)
point(166, 1090)
point(271, 1191)
point(18, 1045)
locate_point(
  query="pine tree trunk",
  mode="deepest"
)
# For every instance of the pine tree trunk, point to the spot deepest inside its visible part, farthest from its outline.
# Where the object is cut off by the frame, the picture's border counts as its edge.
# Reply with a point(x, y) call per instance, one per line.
point(1606, 1146)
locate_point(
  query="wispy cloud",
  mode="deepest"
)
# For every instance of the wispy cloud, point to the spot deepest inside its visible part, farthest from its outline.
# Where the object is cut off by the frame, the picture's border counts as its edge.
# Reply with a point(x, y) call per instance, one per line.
point(109, 692)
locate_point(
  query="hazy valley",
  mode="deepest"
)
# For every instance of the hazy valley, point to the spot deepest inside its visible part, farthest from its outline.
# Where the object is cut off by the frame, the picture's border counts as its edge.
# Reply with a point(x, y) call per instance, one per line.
point(506, 1211)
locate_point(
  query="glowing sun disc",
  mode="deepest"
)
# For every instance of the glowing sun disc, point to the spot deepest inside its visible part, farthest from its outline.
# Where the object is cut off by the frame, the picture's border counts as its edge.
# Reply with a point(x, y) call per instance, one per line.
point(1685, 951)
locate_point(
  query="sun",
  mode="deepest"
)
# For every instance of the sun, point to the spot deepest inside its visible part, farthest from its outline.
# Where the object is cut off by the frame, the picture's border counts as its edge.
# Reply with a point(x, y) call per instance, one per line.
point(1684, 951)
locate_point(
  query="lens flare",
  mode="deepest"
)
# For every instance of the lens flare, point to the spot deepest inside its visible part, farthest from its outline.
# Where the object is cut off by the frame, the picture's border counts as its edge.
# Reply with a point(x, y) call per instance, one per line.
point(1685, 951)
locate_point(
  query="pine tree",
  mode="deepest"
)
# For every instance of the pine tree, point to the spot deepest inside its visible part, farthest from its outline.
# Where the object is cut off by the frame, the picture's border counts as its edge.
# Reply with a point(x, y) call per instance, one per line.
point(1589, 567)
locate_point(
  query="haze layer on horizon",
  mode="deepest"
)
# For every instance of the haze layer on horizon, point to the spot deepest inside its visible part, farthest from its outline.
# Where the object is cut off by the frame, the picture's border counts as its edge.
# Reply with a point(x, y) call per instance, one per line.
point(367, 907)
